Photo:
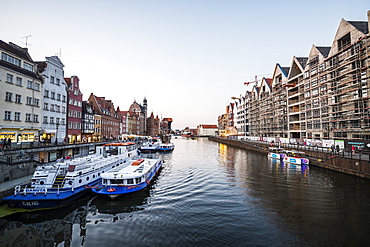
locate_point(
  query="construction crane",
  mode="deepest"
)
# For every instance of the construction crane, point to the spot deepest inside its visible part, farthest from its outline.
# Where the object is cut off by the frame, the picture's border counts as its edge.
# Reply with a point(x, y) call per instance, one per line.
point(255, 79)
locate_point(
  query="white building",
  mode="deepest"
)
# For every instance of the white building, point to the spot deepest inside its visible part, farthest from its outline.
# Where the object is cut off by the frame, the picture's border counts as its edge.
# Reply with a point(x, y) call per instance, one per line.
point(207, 130)
point(21, 95)
point(54, 100)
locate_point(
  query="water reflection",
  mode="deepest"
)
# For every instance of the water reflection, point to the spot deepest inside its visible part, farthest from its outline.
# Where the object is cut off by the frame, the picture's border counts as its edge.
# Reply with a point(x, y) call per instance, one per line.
point(45, 227)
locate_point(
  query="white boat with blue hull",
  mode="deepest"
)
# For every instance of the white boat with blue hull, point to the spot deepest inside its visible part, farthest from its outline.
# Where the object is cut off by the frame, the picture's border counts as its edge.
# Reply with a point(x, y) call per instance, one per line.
point(290, 156)
point(59, 183)
point(166, 147)
point(151, 145)
point(128, 178)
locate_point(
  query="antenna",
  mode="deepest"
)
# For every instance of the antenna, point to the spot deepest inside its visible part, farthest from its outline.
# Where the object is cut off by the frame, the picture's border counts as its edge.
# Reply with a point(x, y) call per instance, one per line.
point(26, 37)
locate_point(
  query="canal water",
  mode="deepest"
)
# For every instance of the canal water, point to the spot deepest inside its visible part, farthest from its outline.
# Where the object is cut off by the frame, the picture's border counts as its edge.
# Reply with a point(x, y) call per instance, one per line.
point(210, 194)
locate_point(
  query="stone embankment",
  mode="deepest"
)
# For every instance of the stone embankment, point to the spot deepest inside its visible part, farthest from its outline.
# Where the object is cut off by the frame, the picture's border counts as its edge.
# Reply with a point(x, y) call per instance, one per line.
point(345, 162)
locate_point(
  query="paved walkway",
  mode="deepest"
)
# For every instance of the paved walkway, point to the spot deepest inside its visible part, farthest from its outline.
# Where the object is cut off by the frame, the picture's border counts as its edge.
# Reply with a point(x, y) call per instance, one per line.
point(8, 185)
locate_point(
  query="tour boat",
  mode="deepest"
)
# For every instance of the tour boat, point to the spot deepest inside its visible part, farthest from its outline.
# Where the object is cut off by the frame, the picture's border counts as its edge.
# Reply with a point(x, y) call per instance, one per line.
point(151, 145)
point(127, 178)
point(295, 157)
point(59, 183)
point(166, 147)
point(276, 153)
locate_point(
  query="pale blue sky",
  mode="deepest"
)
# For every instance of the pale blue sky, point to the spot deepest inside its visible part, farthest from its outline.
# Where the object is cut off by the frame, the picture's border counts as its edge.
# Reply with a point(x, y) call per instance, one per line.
point(187, 57)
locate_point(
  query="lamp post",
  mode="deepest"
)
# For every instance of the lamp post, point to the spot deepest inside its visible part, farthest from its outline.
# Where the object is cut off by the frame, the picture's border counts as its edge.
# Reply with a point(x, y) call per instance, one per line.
point(56, 134)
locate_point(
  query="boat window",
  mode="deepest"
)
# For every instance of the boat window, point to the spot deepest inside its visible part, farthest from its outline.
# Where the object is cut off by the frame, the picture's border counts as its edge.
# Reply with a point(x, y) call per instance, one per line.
point(116, 181)
point(80, 181)
point(70, 182)
point(87, 179)
point(94, 176)
point(137, 180)
point(42, 182)
point(130, 181)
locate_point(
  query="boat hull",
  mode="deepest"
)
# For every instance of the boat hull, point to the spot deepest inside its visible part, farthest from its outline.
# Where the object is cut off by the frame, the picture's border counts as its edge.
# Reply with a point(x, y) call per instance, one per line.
point(114, 191)
point(52, 199)
point(296, 160)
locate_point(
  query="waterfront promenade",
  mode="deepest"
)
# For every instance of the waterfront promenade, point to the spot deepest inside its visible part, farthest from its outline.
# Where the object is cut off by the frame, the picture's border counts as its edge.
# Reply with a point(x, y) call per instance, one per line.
point(345, 161)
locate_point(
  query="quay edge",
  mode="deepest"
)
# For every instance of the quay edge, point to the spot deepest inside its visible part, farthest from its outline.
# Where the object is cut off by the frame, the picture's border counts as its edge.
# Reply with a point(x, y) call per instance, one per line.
point(343, 163)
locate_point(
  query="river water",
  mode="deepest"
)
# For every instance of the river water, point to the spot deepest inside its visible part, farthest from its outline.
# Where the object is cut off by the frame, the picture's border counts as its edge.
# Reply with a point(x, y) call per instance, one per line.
point(210, 194)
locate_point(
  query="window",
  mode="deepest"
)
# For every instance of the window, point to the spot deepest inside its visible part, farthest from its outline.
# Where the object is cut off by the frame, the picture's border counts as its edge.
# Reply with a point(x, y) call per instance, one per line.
point(45, 120)
point(28, 66)
point(37, 86)
point(36, 102)
point(8, 115)
point(19, 81)
point(71, 101)
point(52, 107)
point(18, 98)
point(36, 118)
point(17, 116)
point(52, 95)
point(52, 79)
point(57, 108)
point(46, 106)
point(64, 98)
point(9, 78)
point(69, 125)
point(58, 97)
point(63, 109)
point(58, 81)
point(70, 113)
point(63, 121)
point(11, 59)
point(51, 120)
point(29, 100)
point(57, 120)
point(28, 117)
point(30, 84)
point(46, 93)
point(8, 96)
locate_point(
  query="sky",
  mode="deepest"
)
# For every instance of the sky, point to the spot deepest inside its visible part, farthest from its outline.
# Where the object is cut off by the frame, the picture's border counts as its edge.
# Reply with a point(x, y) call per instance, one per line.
point(188, 58)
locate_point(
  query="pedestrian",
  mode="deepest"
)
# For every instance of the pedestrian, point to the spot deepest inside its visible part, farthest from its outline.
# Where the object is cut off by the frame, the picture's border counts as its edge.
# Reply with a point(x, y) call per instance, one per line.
point(332, 149)
point(9, 143)
point(353, 149)
point(359, 149)
point(337, 147)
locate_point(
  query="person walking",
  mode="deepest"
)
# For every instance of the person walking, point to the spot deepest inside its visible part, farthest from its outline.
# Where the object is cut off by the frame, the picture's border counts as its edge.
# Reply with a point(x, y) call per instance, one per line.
point(353, 149)
point(9, 143)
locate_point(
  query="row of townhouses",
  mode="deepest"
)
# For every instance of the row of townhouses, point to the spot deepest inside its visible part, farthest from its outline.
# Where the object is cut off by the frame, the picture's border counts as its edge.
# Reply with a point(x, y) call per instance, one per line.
point(322, 96)
point(39, 104)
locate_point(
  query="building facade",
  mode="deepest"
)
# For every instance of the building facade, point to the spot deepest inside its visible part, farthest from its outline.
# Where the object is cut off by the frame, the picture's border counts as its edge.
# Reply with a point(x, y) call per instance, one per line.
point(74, 110)
point(21, 95)
point(322, 96)
point(54, 105)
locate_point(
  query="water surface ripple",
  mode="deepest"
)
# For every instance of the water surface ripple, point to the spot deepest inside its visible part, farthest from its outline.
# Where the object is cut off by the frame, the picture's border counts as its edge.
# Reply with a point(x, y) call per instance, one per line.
point(209, 194)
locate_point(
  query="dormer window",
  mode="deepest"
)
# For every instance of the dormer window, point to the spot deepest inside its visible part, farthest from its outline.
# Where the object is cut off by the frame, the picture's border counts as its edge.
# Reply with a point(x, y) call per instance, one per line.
point(28, 66)
point(11, 59)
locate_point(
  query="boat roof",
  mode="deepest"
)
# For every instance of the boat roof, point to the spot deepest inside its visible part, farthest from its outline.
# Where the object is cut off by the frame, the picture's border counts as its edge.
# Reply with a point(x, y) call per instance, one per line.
point(132, 169)
point(120, 144)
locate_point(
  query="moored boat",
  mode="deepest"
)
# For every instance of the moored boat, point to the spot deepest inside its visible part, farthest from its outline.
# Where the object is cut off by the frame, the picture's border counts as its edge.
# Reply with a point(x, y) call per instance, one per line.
point(128, 178)
point(59, 183)
point(296, 157)
point(166, 147)
point(151, 145)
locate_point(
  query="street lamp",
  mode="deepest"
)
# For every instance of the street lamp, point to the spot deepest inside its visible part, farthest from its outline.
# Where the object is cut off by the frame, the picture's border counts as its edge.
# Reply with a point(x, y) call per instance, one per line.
point(56, 133)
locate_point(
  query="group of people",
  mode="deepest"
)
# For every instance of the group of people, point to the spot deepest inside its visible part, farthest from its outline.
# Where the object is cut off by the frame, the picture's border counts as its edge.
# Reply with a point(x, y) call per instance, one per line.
point(5, 143)
point(335, 149)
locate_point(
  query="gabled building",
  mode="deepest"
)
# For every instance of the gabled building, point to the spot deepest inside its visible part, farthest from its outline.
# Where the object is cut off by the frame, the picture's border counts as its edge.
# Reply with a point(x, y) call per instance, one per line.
point(279, 101)
point(295, 87)
point(88, 121)
point(152, 125)
point(207, 130)
point(110, 121)
point(21, 95)
point(54, 105)
point(74, 110)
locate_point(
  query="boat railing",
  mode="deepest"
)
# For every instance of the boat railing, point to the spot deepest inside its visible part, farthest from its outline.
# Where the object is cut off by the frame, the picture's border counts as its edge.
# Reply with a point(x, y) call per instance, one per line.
point(24, 189)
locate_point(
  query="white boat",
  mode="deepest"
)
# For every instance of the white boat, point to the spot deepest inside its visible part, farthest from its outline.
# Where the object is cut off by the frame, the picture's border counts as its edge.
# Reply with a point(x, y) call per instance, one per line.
point(59, 183)
point(166, 147)
point(128, 178)
point(295, 157)
point(151, 145)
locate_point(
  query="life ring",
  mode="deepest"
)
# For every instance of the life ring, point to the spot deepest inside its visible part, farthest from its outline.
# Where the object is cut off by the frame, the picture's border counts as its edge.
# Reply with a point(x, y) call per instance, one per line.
point(111, 189)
